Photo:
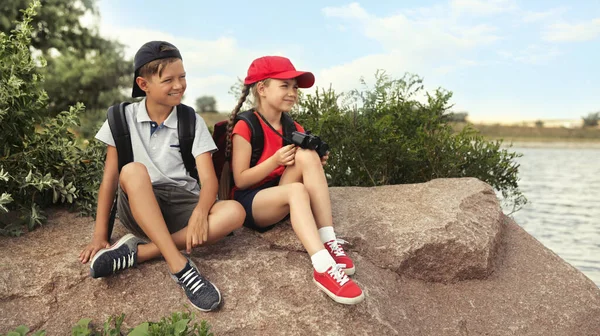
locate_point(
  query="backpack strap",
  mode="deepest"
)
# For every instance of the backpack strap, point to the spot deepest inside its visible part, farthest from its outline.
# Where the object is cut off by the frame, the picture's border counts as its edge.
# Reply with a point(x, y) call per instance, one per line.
point(120, 132)
point(117, 121)
point(289, 126)
point(256, 134)
point(186, 130)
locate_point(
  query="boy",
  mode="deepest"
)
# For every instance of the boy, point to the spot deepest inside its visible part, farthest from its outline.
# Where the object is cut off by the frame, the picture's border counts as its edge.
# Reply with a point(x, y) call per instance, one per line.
point(158, 200)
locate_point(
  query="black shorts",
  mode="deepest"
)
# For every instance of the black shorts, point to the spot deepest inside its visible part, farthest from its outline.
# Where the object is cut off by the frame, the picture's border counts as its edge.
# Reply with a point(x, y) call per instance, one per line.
point(246, 197)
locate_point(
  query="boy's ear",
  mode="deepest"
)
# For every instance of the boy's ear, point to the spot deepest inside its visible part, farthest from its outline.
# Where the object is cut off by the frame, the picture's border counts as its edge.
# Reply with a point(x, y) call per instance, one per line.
point(142, 83)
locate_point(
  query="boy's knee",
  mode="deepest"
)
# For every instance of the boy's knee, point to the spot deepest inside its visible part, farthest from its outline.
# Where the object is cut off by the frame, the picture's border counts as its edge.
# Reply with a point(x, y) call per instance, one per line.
point(305, 157)
point(237, 211)
point(133, 171)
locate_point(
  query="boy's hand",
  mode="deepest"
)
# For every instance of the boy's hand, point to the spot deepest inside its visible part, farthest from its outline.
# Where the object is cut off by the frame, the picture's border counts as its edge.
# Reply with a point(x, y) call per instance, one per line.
point(197, 231)
point(324, 159)
point(285, 155)
point(90, 251)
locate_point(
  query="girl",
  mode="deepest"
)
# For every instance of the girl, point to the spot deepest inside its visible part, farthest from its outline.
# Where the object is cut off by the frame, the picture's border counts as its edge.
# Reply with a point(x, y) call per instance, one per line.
point(287, 180)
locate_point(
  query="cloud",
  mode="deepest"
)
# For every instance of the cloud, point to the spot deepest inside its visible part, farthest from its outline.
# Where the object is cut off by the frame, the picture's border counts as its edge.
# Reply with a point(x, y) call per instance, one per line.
point(213, 66)
point(481, 7)
point(530, 17)
point(431, 42)
point(422, 31)
point(351, 11)
point(533, 54)
point(571, 32)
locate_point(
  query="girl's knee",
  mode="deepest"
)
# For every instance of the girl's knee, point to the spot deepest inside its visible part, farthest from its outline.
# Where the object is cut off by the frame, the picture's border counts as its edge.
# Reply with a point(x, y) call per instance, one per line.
point(307, 157)
point(297, 190)
point(132, 172)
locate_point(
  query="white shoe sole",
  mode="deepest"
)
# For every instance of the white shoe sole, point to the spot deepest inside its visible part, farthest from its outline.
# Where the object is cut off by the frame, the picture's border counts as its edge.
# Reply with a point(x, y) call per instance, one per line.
point(118, 244)
point(340, 299)
point(350, 271)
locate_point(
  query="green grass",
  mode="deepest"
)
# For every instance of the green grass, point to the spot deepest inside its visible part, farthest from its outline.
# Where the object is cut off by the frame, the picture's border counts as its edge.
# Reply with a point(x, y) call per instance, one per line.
point(539, 134)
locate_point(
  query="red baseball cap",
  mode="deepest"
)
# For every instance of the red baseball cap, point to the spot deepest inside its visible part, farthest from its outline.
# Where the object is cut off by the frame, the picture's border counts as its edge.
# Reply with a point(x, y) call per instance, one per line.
point(277, 67)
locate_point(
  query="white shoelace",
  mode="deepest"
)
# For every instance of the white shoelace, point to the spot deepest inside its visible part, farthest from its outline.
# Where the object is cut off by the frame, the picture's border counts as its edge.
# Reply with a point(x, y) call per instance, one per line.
point(338, 275)
point(191, 280)
point(336, 247)
point(127, 262)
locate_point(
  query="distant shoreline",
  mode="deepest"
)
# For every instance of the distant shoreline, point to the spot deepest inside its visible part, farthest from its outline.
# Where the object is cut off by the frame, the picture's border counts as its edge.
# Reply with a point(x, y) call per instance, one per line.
point(525, 136)
point(554, 143)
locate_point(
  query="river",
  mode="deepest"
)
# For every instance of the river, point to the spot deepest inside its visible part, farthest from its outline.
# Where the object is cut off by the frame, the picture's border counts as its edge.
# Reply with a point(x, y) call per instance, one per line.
point(562, 184)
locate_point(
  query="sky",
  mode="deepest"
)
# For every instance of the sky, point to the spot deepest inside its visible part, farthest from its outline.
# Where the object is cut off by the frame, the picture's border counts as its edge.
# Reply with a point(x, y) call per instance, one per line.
point(504, 60)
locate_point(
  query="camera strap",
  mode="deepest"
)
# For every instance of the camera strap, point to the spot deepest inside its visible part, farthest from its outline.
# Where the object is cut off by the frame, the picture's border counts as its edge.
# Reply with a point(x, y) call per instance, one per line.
point(273, 128)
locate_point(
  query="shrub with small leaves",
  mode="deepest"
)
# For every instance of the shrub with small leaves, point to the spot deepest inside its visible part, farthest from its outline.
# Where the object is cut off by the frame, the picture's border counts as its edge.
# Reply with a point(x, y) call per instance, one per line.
point(41, 161)
point(385, 135)
point(23, 331)
point(178, 324)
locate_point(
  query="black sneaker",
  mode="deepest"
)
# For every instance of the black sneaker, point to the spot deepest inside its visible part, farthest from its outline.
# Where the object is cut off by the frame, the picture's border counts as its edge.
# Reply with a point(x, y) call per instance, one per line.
point(201, 292)
point(120, 256)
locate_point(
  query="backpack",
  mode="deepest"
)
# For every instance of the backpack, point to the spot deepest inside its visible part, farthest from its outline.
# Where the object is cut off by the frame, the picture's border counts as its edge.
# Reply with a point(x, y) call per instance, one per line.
point(256, 136)
point(186, 129)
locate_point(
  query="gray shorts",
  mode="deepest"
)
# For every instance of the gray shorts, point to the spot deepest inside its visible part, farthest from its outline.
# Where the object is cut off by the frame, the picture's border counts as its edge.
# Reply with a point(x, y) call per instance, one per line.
point(176, 205)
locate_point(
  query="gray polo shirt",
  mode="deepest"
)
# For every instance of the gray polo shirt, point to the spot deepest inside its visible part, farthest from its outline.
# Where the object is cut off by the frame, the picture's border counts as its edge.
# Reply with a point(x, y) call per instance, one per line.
point(157, 146)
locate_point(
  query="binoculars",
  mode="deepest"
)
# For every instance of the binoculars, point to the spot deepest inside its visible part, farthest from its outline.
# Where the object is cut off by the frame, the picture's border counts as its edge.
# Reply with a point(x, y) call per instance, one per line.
point(309, 141)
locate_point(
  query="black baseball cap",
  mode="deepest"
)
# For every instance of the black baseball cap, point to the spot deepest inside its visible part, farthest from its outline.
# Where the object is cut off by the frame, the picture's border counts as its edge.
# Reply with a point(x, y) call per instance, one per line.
point(149, 52)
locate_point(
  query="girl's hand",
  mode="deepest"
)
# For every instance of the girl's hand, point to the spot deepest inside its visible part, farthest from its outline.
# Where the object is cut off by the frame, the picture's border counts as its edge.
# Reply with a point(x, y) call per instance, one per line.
point(90, 251)
point(285, 155)
point(197, 230)
point(324, 159)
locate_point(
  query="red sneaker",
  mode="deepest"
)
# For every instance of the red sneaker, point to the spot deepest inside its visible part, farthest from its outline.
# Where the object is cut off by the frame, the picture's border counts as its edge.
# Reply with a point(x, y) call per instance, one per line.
point(335, 283)
point(334, 247)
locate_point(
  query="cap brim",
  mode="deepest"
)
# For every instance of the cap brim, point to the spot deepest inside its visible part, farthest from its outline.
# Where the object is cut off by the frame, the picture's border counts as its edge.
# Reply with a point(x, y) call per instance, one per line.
point(303, 78)
point(137, 92)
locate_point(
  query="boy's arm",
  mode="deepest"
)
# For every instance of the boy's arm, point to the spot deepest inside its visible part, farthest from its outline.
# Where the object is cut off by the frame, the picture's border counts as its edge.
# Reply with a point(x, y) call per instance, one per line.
point(197, 231)
point(208, 182)
point(106, 195)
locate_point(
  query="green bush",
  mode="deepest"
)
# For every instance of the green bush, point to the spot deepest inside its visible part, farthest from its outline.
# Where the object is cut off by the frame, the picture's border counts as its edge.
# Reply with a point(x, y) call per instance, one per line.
point(178, 324)
point(385, 135)
point(41, 162)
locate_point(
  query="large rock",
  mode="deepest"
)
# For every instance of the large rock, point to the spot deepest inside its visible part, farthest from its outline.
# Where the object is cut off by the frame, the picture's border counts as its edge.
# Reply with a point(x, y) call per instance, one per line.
point(438, 231)
point(437, 258)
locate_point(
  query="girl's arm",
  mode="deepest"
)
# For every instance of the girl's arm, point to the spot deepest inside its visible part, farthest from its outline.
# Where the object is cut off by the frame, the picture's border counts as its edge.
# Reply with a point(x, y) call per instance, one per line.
point(243, 175)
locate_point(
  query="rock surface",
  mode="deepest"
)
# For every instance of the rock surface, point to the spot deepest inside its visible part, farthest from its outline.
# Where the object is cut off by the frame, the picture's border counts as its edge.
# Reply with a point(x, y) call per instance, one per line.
point(437, 258)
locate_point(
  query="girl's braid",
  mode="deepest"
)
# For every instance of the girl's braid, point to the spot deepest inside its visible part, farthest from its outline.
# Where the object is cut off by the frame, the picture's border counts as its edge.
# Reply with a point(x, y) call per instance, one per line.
point(245, 92)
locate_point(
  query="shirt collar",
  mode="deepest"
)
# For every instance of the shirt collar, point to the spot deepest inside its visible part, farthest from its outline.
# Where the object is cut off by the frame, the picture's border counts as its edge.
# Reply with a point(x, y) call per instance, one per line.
point(142, 115)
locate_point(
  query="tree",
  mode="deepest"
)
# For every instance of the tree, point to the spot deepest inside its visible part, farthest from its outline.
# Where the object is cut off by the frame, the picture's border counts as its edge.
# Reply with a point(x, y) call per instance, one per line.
point(457, 117)
point(86, 68)
point(97, 80)
point(206, 104)
point(591, 120)
point(56, 25)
